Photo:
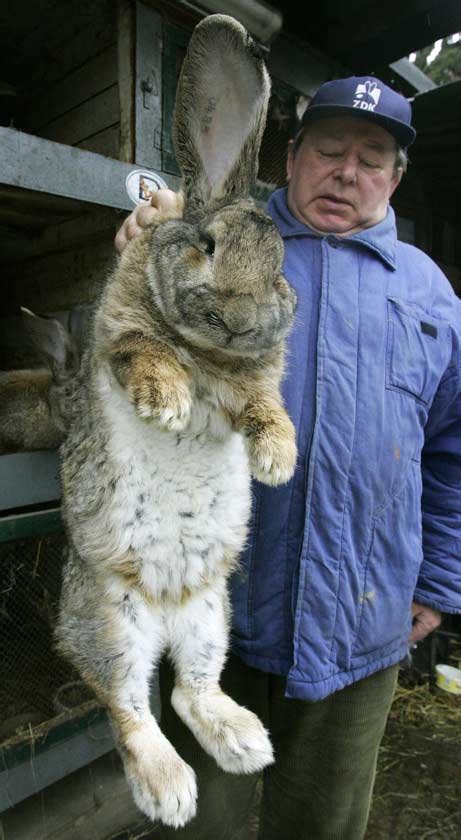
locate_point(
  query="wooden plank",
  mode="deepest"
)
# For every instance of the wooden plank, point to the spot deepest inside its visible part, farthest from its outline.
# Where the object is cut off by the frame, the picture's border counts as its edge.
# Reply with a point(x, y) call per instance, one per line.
point(100, 224)
point(27, 525)
point(66, 38)
point(44, 166)
point(55, 205)
point(58, 281)
point(87, 119)
point(105, 142)
point(62, 759)
point(95, 76)
point(409, 71)
point(126, 77)
point(95, 802)
point(21, 221)
point(15, 239)
point(91, 804)
point(148, 96)
point(60, 21)
point(29, 478)
point(29, 209)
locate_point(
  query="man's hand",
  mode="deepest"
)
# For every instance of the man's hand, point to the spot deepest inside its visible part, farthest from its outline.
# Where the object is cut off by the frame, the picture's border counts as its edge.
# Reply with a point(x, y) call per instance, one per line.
point(165, 204)
point(425, 620)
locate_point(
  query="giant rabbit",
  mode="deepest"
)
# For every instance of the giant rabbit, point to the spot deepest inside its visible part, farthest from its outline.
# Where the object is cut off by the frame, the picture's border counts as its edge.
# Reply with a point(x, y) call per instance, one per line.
point(178, 402)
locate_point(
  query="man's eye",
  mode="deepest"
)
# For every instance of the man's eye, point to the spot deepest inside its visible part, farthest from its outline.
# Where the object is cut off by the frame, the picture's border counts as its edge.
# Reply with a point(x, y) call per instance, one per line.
point(330, 154)
point(369, 164)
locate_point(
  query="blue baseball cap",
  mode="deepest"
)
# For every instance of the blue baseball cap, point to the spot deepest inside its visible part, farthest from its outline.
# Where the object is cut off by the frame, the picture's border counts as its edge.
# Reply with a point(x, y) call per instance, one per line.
point(366, 98)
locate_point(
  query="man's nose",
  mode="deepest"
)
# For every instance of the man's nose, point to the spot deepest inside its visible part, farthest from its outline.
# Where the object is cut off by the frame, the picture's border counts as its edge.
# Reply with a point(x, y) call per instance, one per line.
point(347, 170)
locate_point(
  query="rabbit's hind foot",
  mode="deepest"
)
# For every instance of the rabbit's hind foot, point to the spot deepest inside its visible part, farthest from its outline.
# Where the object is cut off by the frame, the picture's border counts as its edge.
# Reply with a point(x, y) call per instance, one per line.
point(163, 785)
point(232, 735)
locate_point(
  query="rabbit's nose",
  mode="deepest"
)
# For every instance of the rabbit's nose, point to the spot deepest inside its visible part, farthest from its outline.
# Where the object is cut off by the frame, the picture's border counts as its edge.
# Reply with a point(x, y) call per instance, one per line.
point(239, 314)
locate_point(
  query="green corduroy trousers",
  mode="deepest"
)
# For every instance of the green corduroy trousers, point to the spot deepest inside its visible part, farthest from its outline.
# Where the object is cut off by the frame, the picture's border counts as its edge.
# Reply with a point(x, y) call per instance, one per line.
point(325, 761)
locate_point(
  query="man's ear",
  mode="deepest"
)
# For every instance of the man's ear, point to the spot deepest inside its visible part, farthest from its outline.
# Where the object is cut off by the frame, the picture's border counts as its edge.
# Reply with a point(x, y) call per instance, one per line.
point(290, 159)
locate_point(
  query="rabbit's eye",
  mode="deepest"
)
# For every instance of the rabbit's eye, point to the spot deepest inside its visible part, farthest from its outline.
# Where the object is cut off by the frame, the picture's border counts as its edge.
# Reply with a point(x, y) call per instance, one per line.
point(214, 319)
point(207, 244)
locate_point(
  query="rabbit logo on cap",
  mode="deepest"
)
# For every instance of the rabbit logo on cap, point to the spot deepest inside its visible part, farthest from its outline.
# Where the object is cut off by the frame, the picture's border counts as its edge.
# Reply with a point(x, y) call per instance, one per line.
point(367, 96)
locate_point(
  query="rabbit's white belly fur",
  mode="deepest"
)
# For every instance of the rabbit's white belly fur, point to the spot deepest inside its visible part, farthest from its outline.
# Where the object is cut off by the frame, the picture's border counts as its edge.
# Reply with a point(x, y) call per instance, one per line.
point(182, 501)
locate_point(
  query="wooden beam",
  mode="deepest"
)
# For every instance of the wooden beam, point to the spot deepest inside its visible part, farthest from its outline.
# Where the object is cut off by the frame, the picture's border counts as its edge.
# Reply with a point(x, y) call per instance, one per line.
point(149, 87)
point(96, 226)
point(410, 73)
point(32, 163)
point(25, 525)
point(126, 76)
point(28, 209)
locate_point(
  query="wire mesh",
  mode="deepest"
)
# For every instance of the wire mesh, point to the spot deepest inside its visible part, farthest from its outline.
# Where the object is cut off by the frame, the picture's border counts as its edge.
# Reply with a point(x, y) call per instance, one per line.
point(281, 126)
point(35, 683)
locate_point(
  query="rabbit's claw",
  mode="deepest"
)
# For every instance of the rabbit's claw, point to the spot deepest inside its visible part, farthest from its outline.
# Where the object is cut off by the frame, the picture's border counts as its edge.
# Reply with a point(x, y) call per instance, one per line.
point(169, 406)
point(166, 790)
point(273, 456)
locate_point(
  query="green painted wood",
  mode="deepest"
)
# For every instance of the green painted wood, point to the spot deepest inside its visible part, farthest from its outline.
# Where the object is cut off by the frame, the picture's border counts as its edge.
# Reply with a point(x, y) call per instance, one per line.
point(25, 525)
point(148, 100)
point(26, 750)
point(29, 480)
point(174, 48)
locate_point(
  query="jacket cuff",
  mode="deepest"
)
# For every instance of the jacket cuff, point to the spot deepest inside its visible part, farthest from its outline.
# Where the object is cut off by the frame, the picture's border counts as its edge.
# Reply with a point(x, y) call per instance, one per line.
point(427, 600)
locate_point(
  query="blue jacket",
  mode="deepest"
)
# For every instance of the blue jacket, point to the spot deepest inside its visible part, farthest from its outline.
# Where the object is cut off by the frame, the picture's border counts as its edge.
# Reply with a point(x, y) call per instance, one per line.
point(372, 517)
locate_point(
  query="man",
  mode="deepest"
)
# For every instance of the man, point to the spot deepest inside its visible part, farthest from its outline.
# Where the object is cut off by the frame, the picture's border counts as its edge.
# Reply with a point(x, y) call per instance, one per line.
point(335, 569)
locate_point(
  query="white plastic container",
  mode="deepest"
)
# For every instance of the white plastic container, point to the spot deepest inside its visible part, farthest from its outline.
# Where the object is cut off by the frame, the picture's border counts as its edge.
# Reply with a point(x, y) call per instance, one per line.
point(448, 678)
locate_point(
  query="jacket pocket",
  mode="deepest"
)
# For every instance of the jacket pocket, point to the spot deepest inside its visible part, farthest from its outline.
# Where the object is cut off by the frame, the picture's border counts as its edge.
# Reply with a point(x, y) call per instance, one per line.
point(393, 560)
point(417, 351)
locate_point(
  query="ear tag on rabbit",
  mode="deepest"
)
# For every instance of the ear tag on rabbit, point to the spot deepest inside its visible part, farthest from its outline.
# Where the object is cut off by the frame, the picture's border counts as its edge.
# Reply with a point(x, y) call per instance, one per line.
point(141, 184)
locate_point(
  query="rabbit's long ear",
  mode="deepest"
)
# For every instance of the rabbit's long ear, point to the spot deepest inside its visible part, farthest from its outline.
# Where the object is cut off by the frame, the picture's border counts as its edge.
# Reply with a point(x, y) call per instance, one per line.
point(221, 106)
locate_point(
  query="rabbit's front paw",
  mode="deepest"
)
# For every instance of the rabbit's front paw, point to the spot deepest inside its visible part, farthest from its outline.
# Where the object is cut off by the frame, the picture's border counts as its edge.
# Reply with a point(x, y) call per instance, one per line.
point(167, 404)
point(163, 788)
point(273, 453)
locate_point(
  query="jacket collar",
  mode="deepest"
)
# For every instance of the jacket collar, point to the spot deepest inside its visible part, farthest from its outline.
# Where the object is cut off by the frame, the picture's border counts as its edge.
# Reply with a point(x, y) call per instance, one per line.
point(381, 238)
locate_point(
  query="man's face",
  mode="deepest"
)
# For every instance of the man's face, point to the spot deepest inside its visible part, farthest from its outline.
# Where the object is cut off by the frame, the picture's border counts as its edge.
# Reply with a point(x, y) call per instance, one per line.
point(342, 176)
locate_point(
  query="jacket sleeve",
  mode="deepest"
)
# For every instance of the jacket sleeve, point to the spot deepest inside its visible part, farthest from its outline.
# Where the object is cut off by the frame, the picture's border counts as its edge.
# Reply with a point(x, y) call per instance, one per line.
point(439, 583)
